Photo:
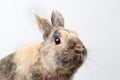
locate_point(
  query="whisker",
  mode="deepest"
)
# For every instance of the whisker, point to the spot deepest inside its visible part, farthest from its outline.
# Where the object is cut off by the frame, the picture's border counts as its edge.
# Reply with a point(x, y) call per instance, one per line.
point(95, 62)
point(89, 71)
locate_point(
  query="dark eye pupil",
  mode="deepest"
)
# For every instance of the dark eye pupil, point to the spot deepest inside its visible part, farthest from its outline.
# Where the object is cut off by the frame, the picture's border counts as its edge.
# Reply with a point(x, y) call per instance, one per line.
point(57, 41)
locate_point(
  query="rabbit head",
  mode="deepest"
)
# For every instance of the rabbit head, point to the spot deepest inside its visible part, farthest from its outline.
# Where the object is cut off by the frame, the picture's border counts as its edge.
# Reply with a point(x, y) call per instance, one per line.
point(61, 48)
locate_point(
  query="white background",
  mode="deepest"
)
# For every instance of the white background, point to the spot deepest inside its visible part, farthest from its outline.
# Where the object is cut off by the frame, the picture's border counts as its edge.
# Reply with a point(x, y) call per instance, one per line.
point(96, 21)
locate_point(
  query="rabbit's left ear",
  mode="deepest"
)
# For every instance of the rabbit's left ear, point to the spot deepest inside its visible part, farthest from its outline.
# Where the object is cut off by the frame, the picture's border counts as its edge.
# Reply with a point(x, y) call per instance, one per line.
point(57, 19)
point(44, 25)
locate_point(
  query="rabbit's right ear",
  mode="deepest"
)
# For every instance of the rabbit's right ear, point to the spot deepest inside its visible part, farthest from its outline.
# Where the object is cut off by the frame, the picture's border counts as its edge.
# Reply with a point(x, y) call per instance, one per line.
point(44, 25)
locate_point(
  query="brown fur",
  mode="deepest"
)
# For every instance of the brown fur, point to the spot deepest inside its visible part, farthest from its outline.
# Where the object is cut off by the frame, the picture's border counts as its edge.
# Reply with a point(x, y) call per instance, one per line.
point(46, 60)
point(28, 64)
point(7, 68)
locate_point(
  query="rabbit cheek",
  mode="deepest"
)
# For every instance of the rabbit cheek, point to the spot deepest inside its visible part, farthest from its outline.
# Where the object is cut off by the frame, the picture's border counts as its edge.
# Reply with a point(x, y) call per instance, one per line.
point(49, 60)
point(59, 48)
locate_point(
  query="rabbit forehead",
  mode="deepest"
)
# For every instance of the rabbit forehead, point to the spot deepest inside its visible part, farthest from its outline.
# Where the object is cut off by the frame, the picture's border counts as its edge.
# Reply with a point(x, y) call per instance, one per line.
point(65, 34)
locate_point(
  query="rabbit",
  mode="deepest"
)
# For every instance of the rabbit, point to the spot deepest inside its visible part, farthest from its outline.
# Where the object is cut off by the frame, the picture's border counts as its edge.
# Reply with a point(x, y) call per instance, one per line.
point(56, 58)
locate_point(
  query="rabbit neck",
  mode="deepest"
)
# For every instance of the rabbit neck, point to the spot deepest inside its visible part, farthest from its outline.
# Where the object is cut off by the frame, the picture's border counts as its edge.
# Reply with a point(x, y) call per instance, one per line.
point(39, 72)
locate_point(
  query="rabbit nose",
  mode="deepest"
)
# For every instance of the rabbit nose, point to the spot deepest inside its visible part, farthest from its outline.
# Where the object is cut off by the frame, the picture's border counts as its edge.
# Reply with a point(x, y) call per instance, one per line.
point(79, 50)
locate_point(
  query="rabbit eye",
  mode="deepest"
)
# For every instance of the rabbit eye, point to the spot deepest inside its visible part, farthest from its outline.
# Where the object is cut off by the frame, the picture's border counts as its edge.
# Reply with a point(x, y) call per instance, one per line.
point(57, 41)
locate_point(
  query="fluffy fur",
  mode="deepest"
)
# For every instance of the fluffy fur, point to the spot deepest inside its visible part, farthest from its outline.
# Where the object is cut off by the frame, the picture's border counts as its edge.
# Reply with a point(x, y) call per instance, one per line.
point(56, 58)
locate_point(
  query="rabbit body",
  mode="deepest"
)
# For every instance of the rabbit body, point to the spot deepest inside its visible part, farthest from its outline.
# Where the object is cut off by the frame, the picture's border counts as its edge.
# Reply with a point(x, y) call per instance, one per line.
point(56, 58)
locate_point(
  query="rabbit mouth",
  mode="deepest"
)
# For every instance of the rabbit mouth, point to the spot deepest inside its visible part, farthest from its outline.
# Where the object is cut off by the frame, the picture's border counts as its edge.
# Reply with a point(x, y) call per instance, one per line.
point(68, 59)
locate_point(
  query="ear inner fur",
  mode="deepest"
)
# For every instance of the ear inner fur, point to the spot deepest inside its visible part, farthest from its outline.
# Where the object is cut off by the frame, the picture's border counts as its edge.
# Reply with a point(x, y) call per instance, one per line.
point(44, 25)
point(57, 19)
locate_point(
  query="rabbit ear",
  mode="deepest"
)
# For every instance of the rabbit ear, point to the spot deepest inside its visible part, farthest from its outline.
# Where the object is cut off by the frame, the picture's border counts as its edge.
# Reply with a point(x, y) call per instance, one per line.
point(44, 25)
point(57, 19)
